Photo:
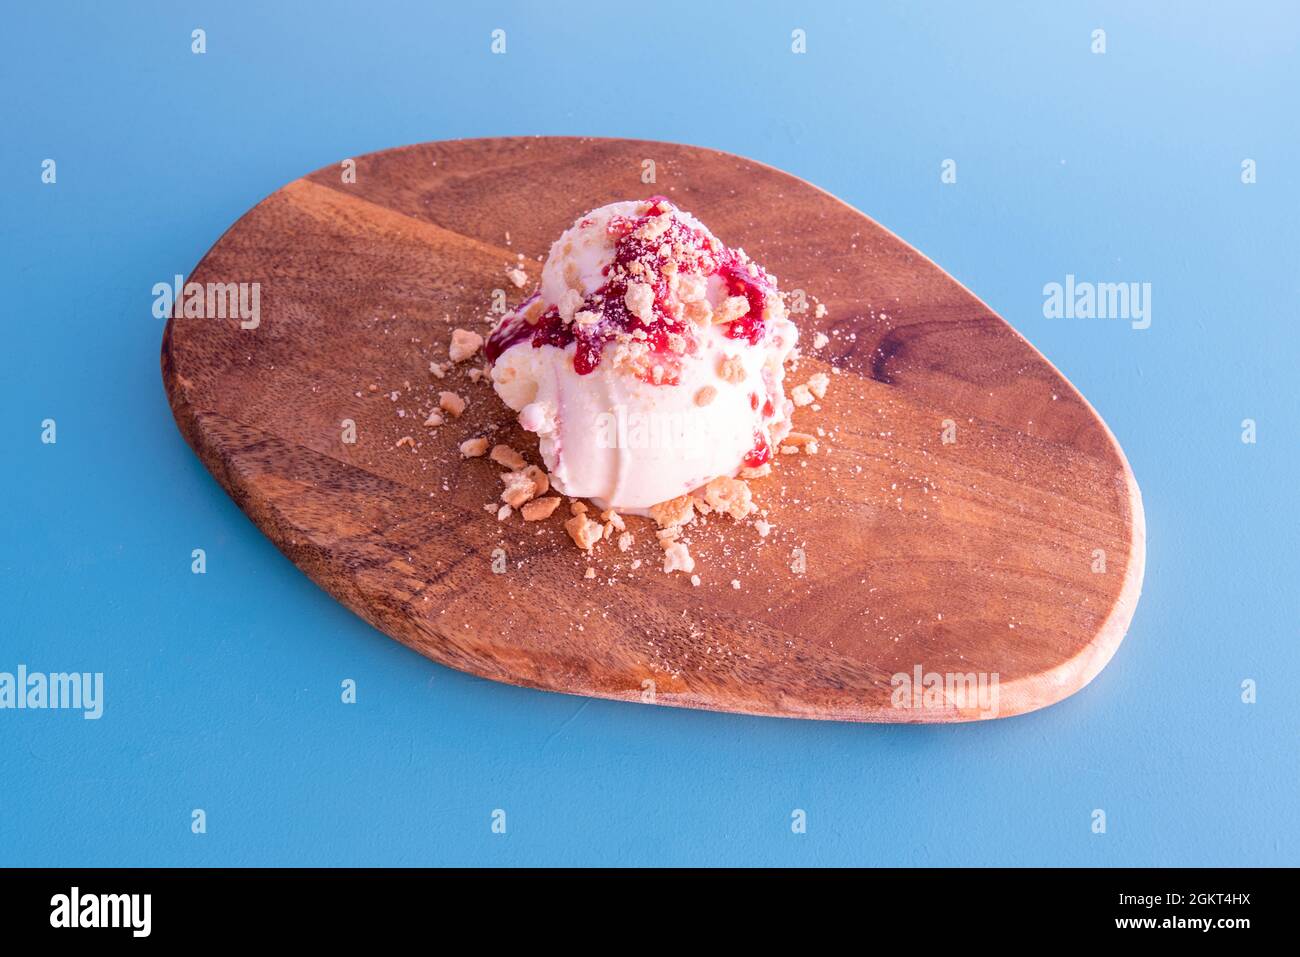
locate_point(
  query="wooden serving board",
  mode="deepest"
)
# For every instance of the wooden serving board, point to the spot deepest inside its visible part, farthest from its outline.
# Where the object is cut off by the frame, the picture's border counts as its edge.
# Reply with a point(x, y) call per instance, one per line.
point(1016, 550)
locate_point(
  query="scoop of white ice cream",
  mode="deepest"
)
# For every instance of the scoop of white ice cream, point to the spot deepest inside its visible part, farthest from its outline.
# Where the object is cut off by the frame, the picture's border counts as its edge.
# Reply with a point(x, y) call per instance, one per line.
point(641, 363)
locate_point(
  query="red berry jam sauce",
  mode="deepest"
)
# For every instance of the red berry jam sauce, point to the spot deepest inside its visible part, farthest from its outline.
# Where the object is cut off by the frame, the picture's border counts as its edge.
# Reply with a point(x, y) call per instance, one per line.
point(760, 453)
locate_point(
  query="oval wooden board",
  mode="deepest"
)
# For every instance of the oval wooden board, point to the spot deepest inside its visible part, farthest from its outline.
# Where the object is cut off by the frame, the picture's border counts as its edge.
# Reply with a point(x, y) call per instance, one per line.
point(968, 557)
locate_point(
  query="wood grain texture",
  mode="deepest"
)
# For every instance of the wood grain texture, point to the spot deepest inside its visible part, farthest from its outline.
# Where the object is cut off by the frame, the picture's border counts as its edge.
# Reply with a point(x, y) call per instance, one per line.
point(970, 557)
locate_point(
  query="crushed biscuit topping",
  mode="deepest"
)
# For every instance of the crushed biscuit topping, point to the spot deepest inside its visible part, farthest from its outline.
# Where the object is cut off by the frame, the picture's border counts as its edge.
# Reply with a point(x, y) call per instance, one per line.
point(677, 511)
point(699, 312)
point(677, 558)
point(731, 309)
point(451, 403)
point(731, 496)
point(473, 448)
point(505, 455)
point(541, 483)
point(540, 508)
point(640, 300)
point(463, 344)
point(731, 369)
point(666, 535)
point(689, 288)
point(519, 488)
point(584, 532)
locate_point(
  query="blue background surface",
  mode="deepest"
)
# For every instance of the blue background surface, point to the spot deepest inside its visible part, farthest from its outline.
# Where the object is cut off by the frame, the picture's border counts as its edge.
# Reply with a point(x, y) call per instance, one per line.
point(222, 690)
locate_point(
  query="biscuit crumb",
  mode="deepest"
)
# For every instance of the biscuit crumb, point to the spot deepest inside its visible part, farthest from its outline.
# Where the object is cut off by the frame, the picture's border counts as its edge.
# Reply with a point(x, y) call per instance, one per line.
point(655, 227)
point(677, 557)
point(691, 288)
point(731, 496)
point(732, 369)
point(473, 448)
point(625, 541)
point(569, 304)
point(451, 403)
point(517, 276)
point(533, 311)
point(698, 311)
point(463, 344)
point(519, 488)
point(818, 383)
point(405, 440)
point(821, 340)
point(589, 573)
point(706, 395)
point(640, 300)
point(584, 532)
point(539, 508)
point(577, 508)
point(731, 309)
point(541, 481)
point(676, 511)
point(503, 513)
point(801, 396)
point(505, 455)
